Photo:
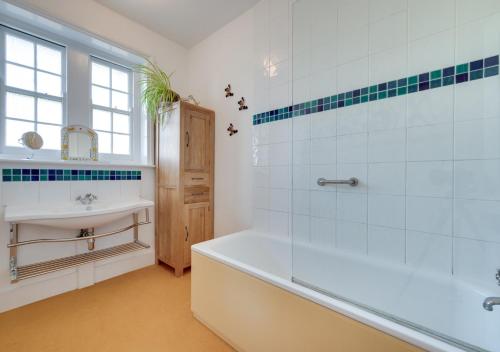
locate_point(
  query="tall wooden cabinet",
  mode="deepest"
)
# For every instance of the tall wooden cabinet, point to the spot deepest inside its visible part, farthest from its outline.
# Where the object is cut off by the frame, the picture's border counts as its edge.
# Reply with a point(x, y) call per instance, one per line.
point(185, 183)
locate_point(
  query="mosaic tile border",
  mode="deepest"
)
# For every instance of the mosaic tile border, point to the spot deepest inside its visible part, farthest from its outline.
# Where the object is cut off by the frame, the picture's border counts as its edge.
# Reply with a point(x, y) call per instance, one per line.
point(36, 175)
point(470, 71)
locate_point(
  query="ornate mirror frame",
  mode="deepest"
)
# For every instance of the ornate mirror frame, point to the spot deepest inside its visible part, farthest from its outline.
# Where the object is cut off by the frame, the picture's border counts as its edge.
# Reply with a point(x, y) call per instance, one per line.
point(66, 131)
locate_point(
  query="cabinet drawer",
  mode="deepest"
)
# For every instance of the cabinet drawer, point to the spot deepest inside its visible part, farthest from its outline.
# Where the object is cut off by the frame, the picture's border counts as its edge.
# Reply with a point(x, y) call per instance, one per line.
point(194, 179)
point(196, 194)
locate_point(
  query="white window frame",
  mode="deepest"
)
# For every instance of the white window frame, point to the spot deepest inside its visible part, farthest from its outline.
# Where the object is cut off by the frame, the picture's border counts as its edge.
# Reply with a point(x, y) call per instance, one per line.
point(4, 89)
point(131, 112)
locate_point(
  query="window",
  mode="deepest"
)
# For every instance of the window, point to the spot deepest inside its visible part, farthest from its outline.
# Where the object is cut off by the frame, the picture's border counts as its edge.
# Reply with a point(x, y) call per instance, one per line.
point(34, 88)
point(111, 91)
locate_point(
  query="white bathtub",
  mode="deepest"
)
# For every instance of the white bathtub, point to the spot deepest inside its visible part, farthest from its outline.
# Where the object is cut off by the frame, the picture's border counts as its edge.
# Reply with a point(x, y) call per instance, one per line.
point(438, 303)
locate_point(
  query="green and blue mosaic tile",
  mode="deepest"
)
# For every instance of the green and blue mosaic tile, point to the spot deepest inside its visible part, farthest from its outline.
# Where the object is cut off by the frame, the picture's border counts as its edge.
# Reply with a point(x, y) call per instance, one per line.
point(41, 175)
point(458, 74)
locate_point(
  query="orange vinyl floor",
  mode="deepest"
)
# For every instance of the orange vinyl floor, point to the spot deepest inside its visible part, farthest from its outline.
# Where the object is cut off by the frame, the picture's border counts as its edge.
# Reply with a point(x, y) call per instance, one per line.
point(145, 310)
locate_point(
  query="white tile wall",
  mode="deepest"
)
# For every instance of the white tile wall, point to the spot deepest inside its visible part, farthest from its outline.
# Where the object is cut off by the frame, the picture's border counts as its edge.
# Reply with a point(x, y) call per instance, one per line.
point(428, 163)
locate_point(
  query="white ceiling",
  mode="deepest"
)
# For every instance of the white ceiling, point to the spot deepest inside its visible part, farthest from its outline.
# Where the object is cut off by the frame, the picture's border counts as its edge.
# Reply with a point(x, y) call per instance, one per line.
point(185, 21)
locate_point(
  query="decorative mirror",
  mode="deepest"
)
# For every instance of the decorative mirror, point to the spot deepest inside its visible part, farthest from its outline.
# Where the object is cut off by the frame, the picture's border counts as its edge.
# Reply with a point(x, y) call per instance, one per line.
point(78, 143)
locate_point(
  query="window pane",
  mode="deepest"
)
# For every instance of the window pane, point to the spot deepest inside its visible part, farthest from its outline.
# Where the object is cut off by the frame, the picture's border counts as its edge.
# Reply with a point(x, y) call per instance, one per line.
point(20, 77)
point(48, 84)
point(49, 111)
point(100, 96)
point(120, 80)
point(120, 101)
point(121, 144)
point(19, 50)
point(121, 123)
point(48, 59)
point(51, 136)
point(101, 120)
point(104, 142)
point(20, 106)
point(14, 130)
point(100, 75)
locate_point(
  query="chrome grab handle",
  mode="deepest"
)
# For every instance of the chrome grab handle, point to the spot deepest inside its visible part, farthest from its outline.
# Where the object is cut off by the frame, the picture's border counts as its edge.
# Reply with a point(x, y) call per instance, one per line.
point(353, 181)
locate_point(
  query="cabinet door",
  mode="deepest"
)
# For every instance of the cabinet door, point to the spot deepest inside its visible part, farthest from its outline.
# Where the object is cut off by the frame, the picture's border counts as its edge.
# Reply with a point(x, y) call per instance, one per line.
point(197, 146)
point(196, 227)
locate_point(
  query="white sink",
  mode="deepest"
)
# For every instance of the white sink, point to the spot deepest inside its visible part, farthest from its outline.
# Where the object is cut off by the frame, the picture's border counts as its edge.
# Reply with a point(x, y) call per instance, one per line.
point(74, 215)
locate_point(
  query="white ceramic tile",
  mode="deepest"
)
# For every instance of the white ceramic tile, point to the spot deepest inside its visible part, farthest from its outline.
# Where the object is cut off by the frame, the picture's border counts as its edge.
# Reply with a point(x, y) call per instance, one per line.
point(260, 155)
point(301, 152)
point(359, 171)
point(324, 124)
point(389, 33)
point(301, 128)
point(301, 90)
point(322, 232)
point(323, 151)
point(79, 188)
point(260, 135)
point(471, 10)
point(385, 210)
point(301, 177)
point(477, 99)
point(353, 14)
point(279, 74)
point(352, 75)
point(388, 145)
point(380, 71)
point(278, 8)
point(323, 83)
point(386, 243)
point(260, 221)
point(20, 193)
point(261, 176)
point(442, 47)
point(426, 214)
point(279, 96)
point(278, 224)
point(301, 65)
point(427, 17)
point(428, 252)
point(324, 15)
point(429, 178)
point(431, 142)
point(387, 178)
point(59, 191)
point(477, 179)
point(351, 237)
point(478, 139)
point(323, 57)
point(476, 261)
point(279, 131)
point(301, 23)
point(352, 44)
point(278, 39)
point(477, 219)
point(382, 8)
point(323, 204)
point(352, 119)
point(322, 171)
point(430, 107)
point(352, 207)
point(279, 177)
point(301, 202)
point(279, 200)
point(387, 114)
point(130, 189)
point(352, 148)
point(478, 39)
point(109, 190)
point(261, 198)
point(301, 228)
point(279, 154)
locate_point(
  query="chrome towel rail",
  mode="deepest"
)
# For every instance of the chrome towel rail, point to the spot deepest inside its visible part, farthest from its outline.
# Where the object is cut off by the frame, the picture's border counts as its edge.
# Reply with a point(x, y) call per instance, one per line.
point(353, 181)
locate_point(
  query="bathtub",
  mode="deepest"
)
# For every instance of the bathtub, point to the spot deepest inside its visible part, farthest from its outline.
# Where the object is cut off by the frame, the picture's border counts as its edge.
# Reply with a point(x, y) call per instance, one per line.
point(242, 290)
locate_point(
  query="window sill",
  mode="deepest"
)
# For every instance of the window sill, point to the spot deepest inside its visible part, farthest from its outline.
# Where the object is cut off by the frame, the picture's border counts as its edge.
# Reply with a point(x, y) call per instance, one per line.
point(14, 159)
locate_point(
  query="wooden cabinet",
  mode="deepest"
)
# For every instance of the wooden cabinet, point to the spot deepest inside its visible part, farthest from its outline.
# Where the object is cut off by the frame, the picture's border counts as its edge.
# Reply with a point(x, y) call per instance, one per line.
point(184, 189)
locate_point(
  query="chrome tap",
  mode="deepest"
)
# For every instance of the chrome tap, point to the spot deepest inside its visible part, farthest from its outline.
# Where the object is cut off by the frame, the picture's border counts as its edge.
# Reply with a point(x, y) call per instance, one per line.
point(489, 302)
point(87, 199)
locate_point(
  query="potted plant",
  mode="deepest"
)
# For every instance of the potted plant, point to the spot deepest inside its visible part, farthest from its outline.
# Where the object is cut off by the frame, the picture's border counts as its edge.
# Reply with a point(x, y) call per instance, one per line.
point(157, 93)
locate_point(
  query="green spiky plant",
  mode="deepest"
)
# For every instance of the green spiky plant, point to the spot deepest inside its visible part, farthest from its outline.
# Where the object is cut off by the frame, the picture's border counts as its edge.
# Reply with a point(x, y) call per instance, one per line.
point(157, 93)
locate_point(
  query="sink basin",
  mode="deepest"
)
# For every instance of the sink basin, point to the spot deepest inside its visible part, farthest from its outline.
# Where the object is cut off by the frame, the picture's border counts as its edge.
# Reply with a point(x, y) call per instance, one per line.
point(74, 215)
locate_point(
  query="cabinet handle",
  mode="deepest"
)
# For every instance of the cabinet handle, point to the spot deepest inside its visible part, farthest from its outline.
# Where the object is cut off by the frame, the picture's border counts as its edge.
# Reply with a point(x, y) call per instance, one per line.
point(197, 178)
point(187, 233)
point(197, 194)
point(187, 139)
